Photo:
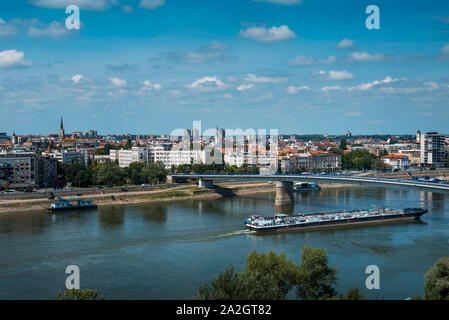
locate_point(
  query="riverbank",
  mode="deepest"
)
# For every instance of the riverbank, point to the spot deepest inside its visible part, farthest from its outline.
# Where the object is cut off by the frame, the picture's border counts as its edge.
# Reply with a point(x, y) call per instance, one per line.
point(163, 194)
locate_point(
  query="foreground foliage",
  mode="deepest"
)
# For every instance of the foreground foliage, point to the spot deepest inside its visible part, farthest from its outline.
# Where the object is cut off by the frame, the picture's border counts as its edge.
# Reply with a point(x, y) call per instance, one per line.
point(271, 277)
point(78, 294)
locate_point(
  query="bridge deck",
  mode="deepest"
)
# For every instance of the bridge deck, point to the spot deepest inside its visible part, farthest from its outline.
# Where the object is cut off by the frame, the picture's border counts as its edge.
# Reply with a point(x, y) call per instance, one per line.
point(435, 187)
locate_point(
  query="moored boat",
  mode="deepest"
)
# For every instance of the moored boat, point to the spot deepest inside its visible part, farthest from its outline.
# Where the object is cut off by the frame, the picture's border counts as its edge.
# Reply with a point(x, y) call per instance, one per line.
point(285, 222)
point(70, 204)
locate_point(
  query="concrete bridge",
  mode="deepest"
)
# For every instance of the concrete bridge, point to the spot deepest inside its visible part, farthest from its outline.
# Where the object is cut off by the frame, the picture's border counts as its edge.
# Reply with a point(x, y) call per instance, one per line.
point(284, 182)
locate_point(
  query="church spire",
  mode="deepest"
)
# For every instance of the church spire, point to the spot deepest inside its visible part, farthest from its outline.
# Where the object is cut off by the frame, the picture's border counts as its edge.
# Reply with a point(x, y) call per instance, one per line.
point(61, 134)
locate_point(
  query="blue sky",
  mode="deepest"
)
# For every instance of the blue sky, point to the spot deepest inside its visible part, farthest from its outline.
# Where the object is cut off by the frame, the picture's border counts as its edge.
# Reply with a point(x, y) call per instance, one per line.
point(151, 66)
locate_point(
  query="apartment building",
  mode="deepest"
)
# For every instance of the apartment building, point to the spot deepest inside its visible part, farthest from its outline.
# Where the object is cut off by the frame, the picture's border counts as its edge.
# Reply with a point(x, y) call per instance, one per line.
point(433, 151)
point(27, 170)
point(126, 157)
point(313, 161)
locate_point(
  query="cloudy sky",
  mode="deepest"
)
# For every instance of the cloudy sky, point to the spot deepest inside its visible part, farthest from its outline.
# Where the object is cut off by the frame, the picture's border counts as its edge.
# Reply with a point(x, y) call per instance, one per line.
point(151, 66)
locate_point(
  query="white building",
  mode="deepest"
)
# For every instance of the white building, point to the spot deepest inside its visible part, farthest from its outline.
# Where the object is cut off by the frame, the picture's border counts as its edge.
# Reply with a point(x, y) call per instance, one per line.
point(433, 152)
point(397, 162)
point(126, 157)
point(177, 157)
point(70, 157)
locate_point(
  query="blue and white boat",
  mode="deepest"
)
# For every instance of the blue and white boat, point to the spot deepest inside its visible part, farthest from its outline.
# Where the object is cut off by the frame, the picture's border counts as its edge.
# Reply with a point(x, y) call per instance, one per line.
point(70, 204)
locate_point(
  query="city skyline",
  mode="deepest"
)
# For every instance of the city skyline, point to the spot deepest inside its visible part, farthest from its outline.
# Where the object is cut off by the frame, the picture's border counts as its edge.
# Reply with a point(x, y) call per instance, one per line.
point(207, 132)
point(302, 67)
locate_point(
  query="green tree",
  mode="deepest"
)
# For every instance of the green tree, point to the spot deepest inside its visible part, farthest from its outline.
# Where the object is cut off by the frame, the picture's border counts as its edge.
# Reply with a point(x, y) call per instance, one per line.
point(437, 281)
point(379, 165)
point(82, 179)
point(343, 144)
point(77, 294)
point(315, 277)
point(230, 285)
point(353, 294)
point(134, 173)
point(128, 145)
point(358, 159)
point(271, 276)
point(282, 270)
point(109, 174)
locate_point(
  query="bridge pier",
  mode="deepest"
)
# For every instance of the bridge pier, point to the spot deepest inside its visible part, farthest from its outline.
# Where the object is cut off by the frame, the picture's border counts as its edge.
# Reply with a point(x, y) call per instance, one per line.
point(205, 184)
point(284, 193)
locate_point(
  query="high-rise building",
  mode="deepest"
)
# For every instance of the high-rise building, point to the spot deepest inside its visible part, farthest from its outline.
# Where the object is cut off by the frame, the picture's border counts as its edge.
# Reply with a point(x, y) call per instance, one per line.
point(433, 152)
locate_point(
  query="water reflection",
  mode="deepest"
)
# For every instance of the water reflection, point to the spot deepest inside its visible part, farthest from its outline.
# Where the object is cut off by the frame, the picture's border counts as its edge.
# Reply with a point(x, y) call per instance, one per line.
point(111, 217)
point(157, 213)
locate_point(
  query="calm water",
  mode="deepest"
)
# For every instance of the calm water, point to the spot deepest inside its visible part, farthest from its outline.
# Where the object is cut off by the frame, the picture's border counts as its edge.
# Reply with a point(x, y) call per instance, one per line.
point(165, 251)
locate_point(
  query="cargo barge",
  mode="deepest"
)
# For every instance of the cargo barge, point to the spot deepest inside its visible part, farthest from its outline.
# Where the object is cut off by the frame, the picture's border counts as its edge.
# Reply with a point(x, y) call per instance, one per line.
point(70, 204)
point(303, 221)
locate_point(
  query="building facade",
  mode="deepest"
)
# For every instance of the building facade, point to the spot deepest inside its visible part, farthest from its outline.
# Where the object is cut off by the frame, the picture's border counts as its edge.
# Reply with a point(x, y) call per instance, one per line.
point(433, 151)
point(27, 170)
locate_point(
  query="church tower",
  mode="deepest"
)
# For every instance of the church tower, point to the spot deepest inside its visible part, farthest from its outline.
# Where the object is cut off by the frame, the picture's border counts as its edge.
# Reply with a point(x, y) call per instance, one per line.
point(61, 131)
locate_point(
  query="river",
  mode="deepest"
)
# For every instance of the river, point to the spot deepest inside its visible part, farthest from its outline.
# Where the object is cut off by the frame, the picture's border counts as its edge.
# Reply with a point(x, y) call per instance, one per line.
point(166, 250)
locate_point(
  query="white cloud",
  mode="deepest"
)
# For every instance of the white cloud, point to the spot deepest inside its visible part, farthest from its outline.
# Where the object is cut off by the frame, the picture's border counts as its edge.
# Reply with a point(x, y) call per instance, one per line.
point(365, 56)
point(345, 43)
point(227, 96)
point(151, 4)
point(369, 85)
point(206, 84)
point(77, 78)
point(264, 79)
point(54, 29)
point(336, 75)
point(96, 5)
point(308, 61)
point(148, 85)
point(273, 34)
point(245, 87)
point(6, 29)
point(295, 90)
point(331, 88)
point(118, 82)
point(340, 75)
point(13, 59)
point(432, 85)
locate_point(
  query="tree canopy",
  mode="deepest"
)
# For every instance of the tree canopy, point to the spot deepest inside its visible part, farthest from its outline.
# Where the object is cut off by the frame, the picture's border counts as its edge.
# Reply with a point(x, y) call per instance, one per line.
point(272, 277)
point(437, 281)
